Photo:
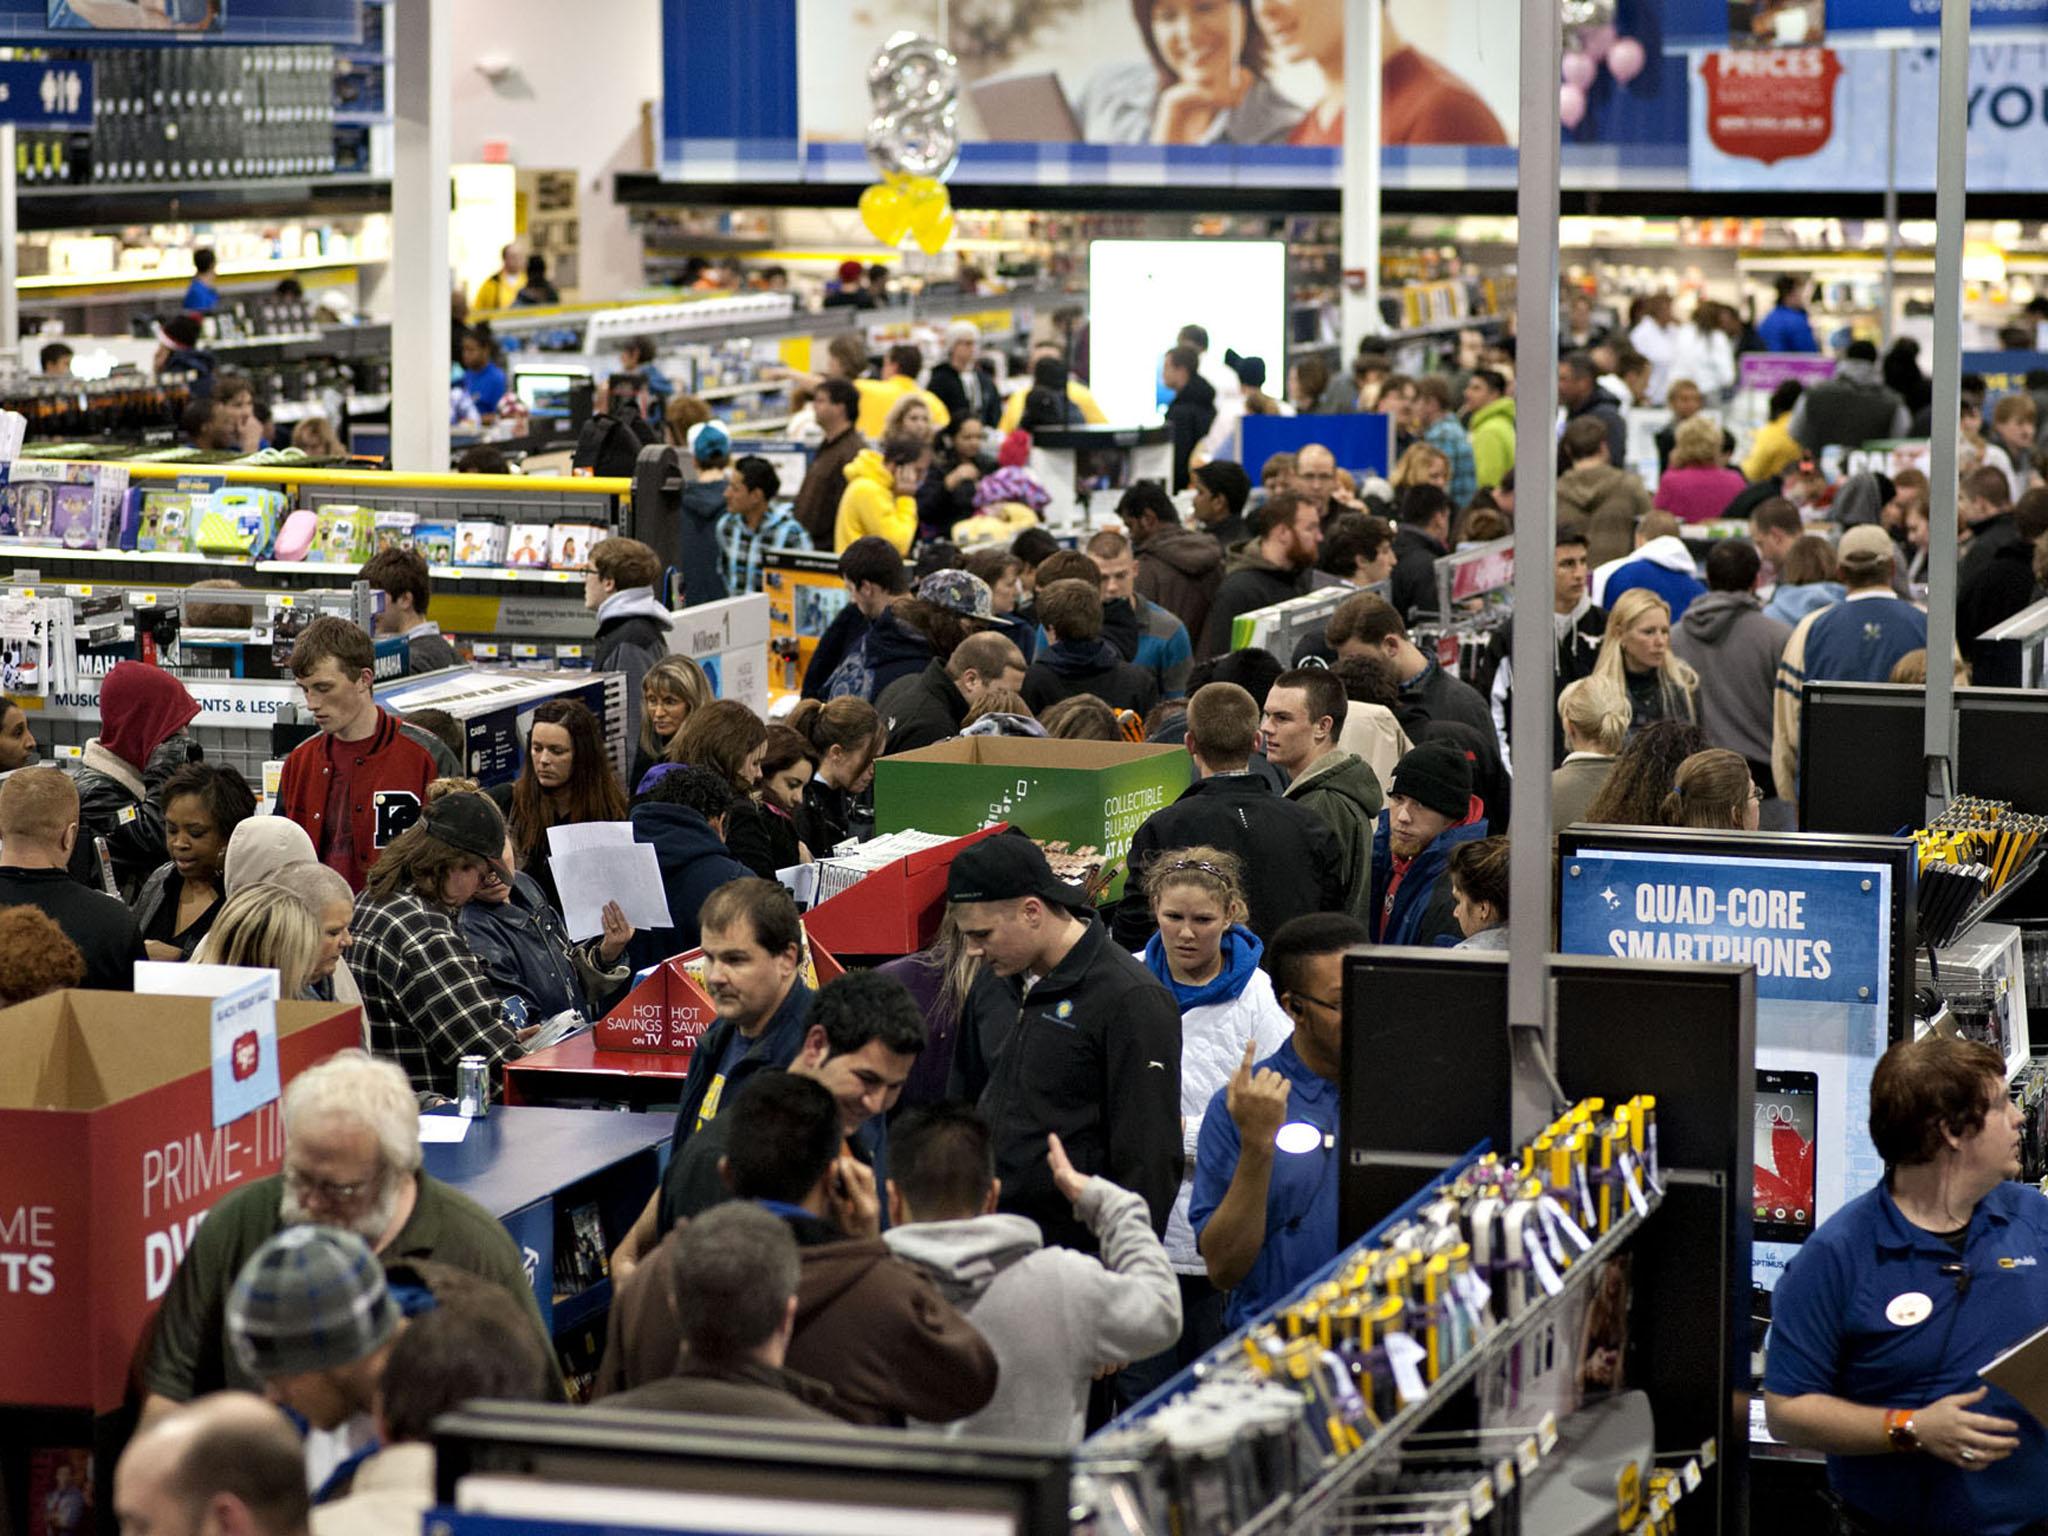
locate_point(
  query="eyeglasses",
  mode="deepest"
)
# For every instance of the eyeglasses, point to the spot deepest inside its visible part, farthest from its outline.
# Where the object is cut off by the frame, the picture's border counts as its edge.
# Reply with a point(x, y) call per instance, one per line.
point(329, 1191)
point(1756, 795)
point(1320, 1002)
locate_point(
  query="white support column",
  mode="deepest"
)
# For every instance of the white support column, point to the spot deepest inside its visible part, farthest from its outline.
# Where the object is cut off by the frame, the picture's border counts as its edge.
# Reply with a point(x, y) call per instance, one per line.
point(10, 253)
point(1532, 1030)
point(1891, 193)
point(1359, 314)
point(1950, 173)
point(423, 46)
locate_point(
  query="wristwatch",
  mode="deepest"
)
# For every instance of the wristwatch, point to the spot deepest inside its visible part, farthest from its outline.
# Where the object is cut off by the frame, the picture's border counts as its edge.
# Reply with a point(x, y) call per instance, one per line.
point(1898, 1427)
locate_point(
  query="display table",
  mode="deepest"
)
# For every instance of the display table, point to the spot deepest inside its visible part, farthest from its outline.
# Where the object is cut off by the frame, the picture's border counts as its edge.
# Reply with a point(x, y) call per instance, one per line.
point(536, 1169)
point(578, 1071)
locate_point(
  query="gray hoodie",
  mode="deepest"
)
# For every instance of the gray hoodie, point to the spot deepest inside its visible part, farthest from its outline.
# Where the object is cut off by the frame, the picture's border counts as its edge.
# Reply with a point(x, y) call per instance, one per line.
point(1734, 646)
point(1054, 1317)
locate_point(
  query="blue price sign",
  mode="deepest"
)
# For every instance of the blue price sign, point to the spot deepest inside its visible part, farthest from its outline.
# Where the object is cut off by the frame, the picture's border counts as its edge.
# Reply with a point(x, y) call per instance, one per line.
point(46, 95)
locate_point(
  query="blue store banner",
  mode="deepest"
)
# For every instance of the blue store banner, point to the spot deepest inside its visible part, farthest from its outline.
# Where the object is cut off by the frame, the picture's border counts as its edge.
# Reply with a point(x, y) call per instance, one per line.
point(1819, 937)
point(2004, 373)
point(1704, 23)
point(130, 23)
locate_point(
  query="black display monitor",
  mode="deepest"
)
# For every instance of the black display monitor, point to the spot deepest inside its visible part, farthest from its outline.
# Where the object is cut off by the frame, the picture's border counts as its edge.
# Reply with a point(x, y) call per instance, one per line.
point(1861, 758)
point(2002, 746)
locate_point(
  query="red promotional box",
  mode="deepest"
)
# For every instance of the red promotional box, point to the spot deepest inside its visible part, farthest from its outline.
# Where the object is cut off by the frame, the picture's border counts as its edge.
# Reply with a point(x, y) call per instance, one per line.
point(895, 910)
point(112, 1159)
point(670, 1010)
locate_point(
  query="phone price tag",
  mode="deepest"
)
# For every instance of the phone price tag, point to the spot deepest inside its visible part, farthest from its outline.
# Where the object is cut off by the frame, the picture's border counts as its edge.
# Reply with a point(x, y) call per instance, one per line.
point(1572, 1229)
point(1528, 1456)
point(1405, 1355)
point(1546, 1276)
point(1548, 1211)
point(1631, 1177)
point(1481, 1498)
point(1546, 1433)
point(1474, 1295)
point(1691, 1476)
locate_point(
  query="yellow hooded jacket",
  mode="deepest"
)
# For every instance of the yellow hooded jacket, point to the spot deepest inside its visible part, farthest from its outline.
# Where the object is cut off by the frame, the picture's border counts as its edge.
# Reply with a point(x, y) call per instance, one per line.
point(871, 505)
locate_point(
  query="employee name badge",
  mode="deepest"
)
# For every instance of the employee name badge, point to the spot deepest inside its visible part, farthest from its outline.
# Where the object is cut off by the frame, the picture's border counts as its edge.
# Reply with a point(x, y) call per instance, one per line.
point(1909, 1310)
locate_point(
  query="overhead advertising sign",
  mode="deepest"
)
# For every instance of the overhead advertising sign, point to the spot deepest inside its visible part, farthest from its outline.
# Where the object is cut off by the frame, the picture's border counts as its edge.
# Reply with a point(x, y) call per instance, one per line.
point(1153, 93)
point(1770, 104)
point(1708, 23)
point(89, 23)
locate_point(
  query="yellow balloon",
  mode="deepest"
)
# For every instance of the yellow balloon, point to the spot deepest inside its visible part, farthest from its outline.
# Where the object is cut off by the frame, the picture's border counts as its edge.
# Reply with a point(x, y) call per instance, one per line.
point(885, 212)
point(933, 227)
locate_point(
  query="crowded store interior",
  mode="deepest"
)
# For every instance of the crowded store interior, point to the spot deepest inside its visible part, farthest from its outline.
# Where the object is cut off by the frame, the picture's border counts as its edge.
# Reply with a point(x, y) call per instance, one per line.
point(1354, 692)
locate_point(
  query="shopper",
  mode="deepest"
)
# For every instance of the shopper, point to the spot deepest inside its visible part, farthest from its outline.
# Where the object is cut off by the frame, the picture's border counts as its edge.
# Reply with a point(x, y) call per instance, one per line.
point(684, 814)
point(1915, 1438)
point(39, 834)
point(2010, 446)
point(733, 1277)
point(1080, 660)
point(17, 739)
point(862, 1038)
point(633, 624)
point(232, 1457)
point(1145, 633)
point(1479, 892)
point(1201, 952)
point(963, 383)
point(565, 780)
point(1221, 491)
point(701, 504)
point(536, 971)
point(1265, 1218)
point(1093, 1016)
point(1594, 716)
point(1430, 810)
point(1859, 639)
point(1852, 408)
point(1636, 657)
point(1577, 627)
point(1421, 538)
point(402, 576)
point(1699, 485)
point(1774, 449)
point(845, 736)
point(1490, 421)
point(1372, 728)
point(901, 364)
point(875, 577)
point(1436, 423)
point(202, 806)
point(1192, 411)
point(1301, 723)
point(1593, 487)
point(671, 689)
point(1580, 393)
point(1774, 526)
point(1661, 563)
point(1267, 570)
point(1734, 647)
point(874, 1329)
point(262, 927)
point(361, 782)
point(1055, 1319)
point(928, 708)
point(1806, 578)
point(1178, 568)
point(835, 403)
point(754, 523)
point(788, 764)
point(1995, 587)
point(1291, 861)
point(469, 1346)
point(1786, 328)
point(881, 486)
point(730, 740)
point(1713, 790)
point(351, 1160)
point(1078, 395)
point(1643, 773)
point(426, 999)
point(143, 711)
point(35, 956)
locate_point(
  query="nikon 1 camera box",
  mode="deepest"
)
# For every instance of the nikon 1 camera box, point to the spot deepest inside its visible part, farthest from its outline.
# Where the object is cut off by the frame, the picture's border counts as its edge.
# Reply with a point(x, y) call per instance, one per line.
point(1083, 797)
point(113, 1159)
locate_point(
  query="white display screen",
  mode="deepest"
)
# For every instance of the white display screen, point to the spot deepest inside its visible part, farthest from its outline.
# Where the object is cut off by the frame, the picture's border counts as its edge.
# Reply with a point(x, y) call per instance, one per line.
point(1141, 292)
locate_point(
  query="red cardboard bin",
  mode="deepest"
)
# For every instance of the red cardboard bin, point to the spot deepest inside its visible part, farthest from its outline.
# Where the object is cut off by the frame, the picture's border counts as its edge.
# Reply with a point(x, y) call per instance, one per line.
point(895, 910)
point(670, 1011)
point(111, 1160)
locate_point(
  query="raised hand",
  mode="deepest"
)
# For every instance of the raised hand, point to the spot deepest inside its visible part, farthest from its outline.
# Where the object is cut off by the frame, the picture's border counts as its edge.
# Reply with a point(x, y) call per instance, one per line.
point(1257, 1100)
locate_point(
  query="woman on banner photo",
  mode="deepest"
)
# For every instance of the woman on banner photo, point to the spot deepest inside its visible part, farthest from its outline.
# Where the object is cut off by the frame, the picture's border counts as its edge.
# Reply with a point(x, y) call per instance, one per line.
point(1421, 102)
point(1203, 81)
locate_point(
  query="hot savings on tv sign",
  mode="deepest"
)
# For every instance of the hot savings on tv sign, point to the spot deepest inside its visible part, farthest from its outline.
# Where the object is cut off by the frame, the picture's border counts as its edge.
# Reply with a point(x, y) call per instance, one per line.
point(1770, 104)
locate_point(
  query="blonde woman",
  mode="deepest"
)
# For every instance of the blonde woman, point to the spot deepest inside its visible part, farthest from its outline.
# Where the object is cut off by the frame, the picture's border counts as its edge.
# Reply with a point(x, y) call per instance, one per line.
point(1699, 484)
point(1595, 716)
point(672, 688)
point(268, 927)
point(1635, 658)
point(1714, 791)
point(939, 977)
point(1422, 465)
point(1203, 954)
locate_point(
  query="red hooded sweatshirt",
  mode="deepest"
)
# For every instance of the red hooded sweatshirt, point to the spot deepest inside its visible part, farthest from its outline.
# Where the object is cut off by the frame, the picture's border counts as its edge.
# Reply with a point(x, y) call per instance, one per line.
point(141, 708)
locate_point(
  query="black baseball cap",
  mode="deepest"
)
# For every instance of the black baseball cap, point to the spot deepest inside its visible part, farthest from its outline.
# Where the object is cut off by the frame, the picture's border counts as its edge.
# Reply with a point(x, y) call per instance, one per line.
point(1008, 867)
point(468, 823)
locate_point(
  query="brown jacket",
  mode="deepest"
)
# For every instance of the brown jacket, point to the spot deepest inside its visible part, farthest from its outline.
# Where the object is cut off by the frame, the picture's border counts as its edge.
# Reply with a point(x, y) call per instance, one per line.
point(817, 499)
point(1180, 568)
point(742, 1391)
point(871, 1327)
point(1592, 488)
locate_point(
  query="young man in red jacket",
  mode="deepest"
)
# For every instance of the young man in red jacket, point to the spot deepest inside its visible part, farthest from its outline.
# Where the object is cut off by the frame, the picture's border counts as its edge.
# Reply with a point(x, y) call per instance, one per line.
point(360, 782)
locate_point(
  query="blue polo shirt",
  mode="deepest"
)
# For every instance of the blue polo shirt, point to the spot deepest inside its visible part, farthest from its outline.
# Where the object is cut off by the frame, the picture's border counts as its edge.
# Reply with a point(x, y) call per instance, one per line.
point(1301, 1197)
point(201, 297)
point(1834, 1330)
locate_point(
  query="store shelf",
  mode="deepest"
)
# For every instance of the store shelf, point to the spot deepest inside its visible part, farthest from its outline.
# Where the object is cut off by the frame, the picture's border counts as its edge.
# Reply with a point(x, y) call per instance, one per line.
point(34, 555)
point(573, 1312)
point(110, 205)
point(729, 391)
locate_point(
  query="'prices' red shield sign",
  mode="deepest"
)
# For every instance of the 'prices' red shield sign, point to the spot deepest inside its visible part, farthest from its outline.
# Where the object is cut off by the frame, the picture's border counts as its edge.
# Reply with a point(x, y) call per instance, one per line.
point(1770, 104)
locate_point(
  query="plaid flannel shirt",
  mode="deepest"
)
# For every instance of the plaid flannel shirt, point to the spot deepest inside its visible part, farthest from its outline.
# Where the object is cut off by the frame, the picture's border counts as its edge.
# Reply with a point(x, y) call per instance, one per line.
point(425, 996)
point(739, 550)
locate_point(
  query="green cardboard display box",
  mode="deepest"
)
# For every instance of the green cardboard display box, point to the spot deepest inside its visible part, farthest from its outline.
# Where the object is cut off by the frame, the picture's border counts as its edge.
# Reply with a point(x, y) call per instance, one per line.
point(1090, 795)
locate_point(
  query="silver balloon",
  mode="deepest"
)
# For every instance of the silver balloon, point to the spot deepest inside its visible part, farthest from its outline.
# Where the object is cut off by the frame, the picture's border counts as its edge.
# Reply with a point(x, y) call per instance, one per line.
point(1579, 14)
point(915, 86)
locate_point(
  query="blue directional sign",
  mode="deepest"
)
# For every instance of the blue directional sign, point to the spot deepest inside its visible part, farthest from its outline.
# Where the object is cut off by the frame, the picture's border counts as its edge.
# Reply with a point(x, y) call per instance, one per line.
point(46, 94)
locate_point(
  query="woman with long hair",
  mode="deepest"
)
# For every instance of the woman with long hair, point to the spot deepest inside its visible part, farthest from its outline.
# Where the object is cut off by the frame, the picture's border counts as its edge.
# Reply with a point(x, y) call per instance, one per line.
point(1203, 81)
point(1643, 773)
point(1422, 465)
point(847, 736)
point(939, 976)
point(1635, 657)
point(1714, 790)
point(566, 779)
point(1595, 718)
point(203, 804)
point(673, 687)
point(1806, 580)
point(730, 739)
point(1203, 954)
point(266, 927)
point(788, 762)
